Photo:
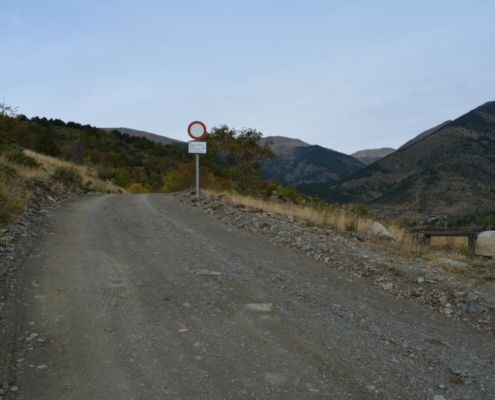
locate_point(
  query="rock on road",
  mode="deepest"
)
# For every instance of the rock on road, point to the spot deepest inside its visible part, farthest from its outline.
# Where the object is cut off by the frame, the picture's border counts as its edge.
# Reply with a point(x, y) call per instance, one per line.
point(136, 297)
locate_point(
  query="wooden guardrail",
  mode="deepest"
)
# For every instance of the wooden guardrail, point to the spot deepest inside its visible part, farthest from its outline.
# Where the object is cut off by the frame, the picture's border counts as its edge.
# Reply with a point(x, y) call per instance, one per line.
point(471, 233)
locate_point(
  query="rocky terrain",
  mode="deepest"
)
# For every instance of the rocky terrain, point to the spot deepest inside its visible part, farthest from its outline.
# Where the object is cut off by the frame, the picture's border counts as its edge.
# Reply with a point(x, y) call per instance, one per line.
point(401, 275)
point(153, 296)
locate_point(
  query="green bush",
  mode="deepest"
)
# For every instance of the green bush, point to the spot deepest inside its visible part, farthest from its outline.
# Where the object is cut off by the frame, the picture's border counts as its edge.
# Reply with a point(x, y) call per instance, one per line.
point(467, 251)
point(46, 145)
point(10, 207)
point(69, 177)
point(7, 173)
point(351, 224)
point(18, 157)
point(362, 210)
point(15, 146)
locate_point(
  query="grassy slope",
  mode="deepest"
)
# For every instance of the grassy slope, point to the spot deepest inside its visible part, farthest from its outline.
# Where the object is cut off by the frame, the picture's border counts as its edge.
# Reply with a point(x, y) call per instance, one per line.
point(125, 160)
point(19, 180)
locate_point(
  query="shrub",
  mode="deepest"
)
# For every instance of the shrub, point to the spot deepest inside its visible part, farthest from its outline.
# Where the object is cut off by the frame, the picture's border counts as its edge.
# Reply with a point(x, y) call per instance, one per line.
point(68, 177)
point(184, 178)
point(137, 188)
point(18, 157)
point(46, 145)
point(467, 251)
point(362, 210)
point(10, 207)
point(351, 224)
point(7, 173)
point(15, 146)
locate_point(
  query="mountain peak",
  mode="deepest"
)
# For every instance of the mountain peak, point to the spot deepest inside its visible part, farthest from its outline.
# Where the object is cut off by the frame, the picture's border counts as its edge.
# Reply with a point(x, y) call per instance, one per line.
point(282, 144)
point(450, 172)
point(370, 156)
point(150, 136)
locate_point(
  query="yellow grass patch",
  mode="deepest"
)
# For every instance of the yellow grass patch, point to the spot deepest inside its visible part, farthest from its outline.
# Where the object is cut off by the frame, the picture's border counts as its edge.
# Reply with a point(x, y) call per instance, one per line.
point(334, 218)
point(50, 165)
point(16, 182)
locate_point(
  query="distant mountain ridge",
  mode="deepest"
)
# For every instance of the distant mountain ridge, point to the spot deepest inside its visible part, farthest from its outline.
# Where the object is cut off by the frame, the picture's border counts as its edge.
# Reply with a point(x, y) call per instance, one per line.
point(310, 164)
point(450, 172)
point(281, 144)
point(370, 156)
point(150, 136)
point(423, 135)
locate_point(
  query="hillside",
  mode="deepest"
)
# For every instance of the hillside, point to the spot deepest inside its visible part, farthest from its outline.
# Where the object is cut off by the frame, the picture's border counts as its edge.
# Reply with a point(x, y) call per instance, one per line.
point(282, 145)
point(368, 157)
point(132, 162)
point(309, 164)
point(147, 135)
point(423, 135)
point(450, 172)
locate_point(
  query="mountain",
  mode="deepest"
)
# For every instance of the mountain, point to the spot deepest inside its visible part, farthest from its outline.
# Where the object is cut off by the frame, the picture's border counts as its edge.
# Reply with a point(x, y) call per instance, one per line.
point(147, 135)
point(281, 144)
point(423, 135)
point(448, 173)
point(368, 157)
point(309, 164)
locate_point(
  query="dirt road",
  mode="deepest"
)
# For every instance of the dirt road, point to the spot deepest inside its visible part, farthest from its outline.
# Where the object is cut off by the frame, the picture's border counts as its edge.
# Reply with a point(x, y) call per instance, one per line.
point(136, 297)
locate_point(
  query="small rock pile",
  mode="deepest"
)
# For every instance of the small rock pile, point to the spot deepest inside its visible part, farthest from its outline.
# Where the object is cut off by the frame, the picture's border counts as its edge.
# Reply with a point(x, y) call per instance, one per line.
point(412, 279)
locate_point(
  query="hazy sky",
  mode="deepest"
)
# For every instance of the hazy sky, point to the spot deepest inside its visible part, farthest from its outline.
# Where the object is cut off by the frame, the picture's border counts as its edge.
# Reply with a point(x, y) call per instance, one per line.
point(347, 75)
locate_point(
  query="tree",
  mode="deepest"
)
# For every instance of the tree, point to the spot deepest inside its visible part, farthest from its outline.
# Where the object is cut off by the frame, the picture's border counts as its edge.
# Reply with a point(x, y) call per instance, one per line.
point(184, 178)
point(46, 144)
point(8, 111)
point(237, 156)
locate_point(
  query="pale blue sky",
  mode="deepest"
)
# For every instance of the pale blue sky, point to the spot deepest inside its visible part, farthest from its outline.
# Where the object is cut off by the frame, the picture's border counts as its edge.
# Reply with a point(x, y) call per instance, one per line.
point(347, 75)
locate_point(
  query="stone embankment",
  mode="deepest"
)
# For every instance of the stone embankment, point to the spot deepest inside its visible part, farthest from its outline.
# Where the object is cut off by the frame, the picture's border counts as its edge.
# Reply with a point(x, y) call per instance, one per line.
point(362, 256)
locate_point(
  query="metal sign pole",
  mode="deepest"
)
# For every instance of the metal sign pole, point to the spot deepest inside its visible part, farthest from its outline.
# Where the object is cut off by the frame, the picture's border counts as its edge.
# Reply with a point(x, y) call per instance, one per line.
point(197, 174)
point(197, 131)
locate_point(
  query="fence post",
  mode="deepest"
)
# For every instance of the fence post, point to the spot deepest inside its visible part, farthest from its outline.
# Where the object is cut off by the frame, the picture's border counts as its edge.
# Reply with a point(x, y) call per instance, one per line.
point(422, 239)
point(472, 236)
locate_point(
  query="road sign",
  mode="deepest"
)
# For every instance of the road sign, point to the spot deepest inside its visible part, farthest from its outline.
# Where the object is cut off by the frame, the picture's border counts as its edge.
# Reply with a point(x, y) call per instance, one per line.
point(197, 130)
point(197, 147)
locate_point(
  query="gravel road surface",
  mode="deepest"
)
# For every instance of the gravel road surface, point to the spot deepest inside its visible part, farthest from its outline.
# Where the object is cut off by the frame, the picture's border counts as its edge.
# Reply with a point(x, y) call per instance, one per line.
point(136, 297)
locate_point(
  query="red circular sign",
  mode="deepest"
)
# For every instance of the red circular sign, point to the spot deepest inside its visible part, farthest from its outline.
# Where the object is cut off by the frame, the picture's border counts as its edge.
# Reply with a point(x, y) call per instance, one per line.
point(197, 130)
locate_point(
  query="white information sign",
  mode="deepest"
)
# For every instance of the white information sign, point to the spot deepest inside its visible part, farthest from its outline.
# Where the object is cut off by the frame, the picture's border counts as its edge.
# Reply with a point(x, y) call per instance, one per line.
point(197, 147)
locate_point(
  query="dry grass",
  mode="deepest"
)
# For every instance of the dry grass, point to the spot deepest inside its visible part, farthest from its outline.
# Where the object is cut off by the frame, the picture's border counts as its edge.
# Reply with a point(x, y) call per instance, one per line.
point(454, 248)
point(50, 165)
point(333, 218)
point(17, 182)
